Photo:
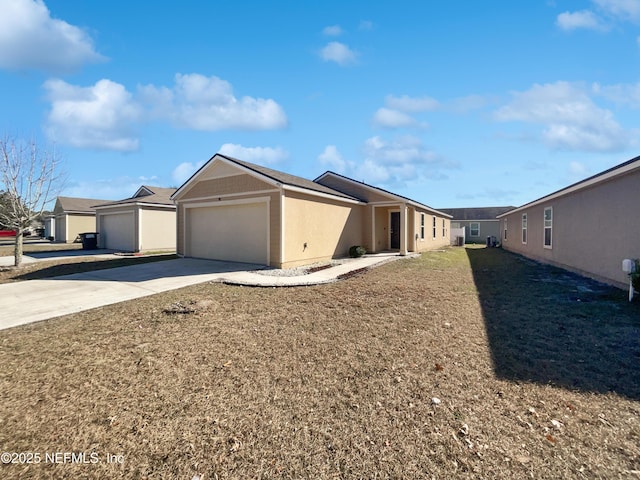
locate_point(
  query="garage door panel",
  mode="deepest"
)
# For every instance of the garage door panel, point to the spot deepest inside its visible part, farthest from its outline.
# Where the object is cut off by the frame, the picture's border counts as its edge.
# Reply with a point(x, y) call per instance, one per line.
point(236, 233)
point(118, 232)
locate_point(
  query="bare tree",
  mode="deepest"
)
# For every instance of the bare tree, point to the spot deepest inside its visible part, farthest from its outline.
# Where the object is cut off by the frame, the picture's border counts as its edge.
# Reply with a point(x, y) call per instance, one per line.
point(30, 178)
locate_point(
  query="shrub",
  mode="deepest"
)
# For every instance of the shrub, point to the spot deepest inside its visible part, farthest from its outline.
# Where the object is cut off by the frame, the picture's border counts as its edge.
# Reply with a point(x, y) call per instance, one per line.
point(357, 251)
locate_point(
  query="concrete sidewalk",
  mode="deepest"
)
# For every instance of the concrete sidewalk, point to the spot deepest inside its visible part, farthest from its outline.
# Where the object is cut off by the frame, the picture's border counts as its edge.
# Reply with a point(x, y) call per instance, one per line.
point(34, 300)
point(328, 275)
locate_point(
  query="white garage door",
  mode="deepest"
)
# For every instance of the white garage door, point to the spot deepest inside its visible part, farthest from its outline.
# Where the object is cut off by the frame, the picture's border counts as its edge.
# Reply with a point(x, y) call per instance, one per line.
point(117, 232)
point(237, 233)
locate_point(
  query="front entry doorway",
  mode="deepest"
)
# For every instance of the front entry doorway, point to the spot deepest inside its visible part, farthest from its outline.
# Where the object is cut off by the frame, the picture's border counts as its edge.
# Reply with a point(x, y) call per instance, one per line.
point(394, 230)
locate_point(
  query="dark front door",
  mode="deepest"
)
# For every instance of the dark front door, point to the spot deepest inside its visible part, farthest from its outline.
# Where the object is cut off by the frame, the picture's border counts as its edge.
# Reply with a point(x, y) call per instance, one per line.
point(395, 230)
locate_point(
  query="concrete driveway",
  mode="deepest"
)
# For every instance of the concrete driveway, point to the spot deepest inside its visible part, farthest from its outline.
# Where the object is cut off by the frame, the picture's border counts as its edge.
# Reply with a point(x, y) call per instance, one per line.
point(34, 300)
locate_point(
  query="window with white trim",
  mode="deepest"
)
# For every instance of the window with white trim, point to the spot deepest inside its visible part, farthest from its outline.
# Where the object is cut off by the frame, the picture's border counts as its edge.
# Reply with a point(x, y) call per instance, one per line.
point(524, 228)
point(422, 226)
point(474, 229)
point(444, 229)
point(434, 227)
point(548, 227)
point(505, 228)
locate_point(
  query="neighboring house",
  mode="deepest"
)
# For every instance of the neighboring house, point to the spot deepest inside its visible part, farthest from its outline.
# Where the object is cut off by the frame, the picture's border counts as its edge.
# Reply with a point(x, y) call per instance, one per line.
point(71, 217)
point(144, 222)
point(588, 227)
point(478, 223)
point(235, 210)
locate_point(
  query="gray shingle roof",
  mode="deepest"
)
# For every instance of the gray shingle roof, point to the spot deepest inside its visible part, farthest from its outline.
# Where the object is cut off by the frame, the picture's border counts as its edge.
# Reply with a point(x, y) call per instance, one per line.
point(160, 196)
point(480, 213)
point(74, 204)
point(288, 179)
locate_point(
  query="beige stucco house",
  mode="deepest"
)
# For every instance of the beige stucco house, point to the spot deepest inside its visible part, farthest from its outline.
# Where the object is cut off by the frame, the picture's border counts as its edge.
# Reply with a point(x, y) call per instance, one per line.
point(588, 227)
point(235, 210)
point(145, 222)
point(478, 223)
point(72, 216)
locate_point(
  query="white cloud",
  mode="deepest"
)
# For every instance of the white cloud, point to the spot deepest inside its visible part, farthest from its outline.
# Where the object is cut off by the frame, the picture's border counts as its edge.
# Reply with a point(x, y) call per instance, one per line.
point(208, 103)
point(332, 31)
point(117, 188)
point(622, 94)
point(570, 118)
point(406, 103)
point(628, 10)
point(183, 171)
point(395, 114)
point(339, 53)
point(388, 118)
point(259, 155)
point(402, 160)
point(101, 116)
point(332, 159)
point(31, 39)
point(582, 19)
point(578, 169)
point(365, 25)
point(609, 12)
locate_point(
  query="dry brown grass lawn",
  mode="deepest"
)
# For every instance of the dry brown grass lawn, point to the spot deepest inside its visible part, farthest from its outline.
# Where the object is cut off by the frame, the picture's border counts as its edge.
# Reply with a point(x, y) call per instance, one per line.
point(337, 381)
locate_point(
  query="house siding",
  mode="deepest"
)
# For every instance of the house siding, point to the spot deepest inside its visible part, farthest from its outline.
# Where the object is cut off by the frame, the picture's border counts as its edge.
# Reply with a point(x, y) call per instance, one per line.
point(594, 229)
point(429, 242)
point(70, 226)
point(224, 186)
point(328, 228)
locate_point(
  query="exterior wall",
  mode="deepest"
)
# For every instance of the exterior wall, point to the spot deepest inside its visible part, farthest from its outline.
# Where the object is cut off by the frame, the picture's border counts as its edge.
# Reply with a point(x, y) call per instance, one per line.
point(327, 227)
point(414, 241)
point(157, 229)
point(381, 233)
point(487, 227)
point(226, 185)
point(430, 242)
point(594, 229)
point(69, 226)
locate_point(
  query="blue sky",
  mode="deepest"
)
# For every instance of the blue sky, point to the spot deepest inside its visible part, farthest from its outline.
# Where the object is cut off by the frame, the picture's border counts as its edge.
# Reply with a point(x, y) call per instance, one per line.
point(453, 104)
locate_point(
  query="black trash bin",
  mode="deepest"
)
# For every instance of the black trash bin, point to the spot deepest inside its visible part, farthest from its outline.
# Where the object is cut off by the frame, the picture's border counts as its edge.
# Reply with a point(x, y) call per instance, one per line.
point(89, 240)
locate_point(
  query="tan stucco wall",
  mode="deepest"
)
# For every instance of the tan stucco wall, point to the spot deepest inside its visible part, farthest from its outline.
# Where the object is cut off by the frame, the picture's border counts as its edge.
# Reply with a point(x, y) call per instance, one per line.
point(223, 186)
point(381, 220)
point(73, 225)
point(594, 229)
point(329, 228)
point(157, 229)
point(414, 242)
point(430, 242)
